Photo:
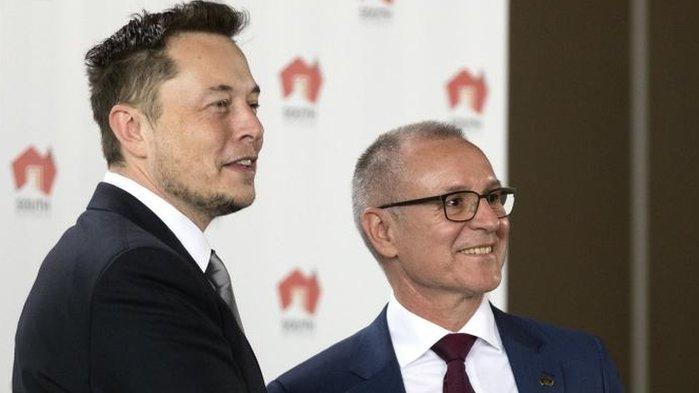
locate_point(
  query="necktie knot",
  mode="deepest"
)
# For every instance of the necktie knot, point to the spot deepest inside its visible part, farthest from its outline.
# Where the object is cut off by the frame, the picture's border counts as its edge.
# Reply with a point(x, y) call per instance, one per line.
point(454, 346)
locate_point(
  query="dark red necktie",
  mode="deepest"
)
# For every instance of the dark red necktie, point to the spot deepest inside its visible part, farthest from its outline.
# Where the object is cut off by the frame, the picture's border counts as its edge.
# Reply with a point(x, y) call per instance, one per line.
point(453, 348)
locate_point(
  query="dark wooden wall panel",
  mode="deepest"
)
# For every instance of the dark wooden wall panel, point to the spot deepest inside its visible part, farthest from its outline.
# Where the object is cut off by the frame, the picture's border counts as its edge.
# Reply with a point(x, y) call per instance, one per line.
point(569, 158)
point(674, 125)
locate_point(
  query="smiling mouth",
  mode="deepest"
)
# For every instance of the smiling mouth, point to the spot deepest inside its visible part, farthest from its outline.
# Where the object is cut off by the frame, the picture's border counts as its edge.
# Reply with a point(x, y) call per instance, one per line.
point(479, 250)
point(245, 163)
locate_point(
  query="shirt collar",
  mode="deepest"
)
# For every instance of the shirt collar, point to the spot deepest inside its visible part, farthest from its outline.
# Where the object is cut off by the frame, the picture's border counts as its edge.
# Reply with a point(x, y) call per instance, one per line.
point(191, 237)
point(413, 336)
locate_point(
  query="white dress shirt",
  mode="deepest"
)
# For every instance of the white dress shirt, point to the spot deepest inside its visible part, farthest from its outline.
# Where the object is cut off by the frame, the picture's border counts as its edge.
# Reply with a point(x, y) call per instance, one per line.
point(423, 370)
point(191, 237)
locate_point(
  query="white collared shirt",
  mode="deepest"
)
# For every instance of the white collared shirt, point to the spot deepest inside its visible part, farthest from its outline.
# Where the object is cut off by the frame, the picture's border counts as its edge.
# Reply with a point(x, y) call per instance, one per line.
point(191, 237)
point(423, 370)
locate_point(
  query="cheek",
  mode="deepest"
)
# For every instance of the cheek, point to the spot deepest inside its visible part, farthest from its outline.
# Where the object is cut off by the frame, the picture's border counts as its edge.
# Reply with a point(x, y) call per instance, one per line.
point(200, 151)
point(428, 239)
point(164, 150)
point(439, 246)
point(503, 232)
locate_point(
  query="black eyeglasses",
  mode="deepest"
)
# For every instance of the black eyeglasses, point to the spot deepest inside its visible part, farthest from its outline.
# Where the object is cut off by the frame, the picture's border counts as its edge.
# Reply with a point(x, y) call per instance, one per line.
point(462, 206)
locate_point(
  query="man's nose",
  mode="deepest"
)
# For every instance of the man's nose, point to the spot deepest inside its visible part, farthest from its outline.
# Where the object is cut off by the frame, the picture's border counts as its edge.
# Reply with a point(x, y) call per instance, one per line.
point(485, 217)
point(247, 126)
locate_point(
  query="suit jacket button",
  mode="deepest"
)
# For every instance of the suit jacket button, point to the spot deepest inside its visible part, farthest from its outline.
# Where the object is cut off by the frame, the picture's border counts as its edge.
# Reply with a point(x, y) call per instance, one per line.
point(546, 380)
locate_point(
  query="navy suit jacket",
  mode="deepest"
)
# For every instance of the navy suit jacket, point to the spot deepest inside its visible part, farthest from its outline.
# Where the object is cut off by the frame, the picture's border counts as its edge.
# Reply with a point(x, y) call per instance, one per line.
point(366, 362)
point(120, 306)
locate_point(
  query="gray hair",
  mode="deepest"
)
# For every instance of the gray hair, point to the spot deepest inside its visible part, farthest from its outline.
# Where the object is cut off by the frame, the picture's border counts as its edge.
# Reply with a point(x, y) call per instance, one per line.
point(379, 170)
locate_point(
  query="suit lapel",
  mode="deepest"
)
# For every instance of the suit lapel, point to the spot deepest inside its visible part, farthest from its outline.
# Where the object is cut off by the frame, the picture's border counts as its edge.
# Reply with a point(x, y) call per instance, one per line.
point(245, 358)
point(533, 370)
point(111, 198)
point(375, 360)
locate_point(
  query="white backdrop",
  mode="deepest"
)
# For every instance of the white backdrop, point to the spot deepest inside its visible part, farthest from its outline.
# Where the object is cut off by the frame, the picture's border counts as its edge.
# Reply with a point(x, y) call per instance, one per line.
point(366, 65)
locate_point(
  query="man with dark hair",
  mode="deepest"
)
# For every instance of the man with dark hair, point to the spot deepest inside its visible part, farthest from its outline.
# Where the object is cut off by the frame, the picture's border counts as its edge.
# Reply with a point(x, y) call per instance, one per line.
point(429, 207)
point(132, 298)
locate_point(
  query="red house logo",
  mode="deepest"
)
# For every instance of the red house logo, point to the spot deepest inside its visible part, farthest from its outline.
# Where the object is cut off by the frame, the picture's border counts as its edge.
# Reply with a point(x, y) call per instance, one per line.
point(297, 287)
point(302, 78)
point(465, 88)
point(32, 164)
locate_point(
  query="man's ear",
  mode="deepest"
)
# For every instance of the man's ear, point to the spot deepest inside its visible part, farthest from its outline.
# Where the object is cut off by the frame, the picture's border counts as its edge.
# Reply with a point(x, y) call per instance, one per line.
point(378, 227)
point(128, 125)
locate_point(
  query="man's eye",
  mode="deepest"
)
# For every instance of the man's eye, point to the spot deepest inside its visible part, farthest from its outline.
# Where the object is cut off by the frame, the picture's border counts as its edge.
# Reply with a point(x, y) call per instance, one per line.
point(222, 104)
point(495, 197)
point(254, 105)
point(455, 202)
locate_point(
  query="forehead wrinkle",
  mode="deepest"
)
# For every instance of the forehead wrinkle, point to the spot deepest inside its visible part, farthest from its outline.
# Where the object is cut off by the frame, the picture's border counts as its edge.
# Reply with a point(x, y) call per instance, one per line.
point(417, 152)
point(443, 180)
point(492, 183)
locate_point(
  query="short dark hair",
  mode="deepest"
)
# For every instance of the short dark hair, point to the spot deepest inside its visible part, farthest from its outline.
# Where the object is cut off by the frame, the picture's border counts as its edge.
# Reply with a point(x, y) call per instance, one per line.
point(130, 66)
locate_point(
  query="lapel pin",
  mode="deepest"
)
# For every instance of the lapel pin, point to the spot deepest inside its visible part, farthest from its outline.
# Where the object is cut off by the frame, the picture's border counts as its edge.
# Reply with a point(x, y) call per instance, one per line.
point(546, 380)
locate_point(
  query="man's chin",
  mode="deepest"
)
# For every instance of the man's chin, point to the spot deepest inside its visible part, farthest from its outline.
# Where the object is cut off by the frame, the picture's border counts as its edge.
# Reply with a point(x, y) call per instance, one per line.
point(222, 206)
point(489, 284)
point(219, 204)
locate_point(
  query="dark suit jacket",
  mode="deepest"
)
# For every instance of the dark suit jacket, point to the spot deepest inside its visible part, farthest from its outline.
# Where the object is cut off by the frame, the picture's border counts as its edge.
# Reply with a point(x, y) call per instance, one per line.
point(366, 361)
point(120, 306)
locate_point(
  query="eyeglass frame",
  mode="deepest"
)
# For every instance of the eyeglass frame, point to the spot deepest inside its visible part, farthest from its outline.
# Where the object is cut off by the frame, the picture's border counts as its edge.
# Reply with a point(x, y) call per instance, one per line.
point(443, 198)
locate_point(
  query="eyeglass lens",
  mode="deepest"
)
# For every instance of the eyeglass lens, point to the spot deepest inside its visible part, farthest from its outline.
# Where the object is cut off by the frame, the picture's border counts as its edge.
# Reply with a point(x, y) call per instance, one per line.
point(462, 206)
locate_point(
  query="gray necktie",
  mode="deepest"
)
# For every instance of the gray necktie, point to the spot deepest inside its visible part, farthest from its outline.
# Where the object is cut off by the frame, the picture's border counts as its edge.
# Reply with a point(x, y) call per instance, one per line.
point(218, 276)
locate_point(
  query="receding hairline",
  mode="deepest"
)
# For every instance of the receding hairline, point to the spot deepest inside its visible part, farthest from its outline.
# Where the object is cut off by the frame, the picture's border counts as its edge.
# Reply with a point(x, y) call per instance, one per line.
point(407, 151)
point(427, 138)
point(181, 56)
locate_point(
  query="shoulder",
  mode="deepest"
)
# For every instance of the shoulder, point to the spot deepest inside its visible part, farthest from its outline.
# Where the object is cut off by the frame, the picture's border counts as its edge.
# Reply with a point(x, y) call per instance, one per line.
point(342, 365)
point(327, 368)
point(97, 239)
point(550, 337)
point(102, 244)
point(103, 263)
point(582, 356)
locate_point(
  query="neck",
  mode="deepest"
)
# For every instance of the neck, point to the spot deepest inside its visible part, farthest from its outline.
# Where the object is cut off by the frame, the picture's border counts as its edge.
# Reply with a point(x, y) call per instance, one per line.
point(140, 176)
point(447, 309)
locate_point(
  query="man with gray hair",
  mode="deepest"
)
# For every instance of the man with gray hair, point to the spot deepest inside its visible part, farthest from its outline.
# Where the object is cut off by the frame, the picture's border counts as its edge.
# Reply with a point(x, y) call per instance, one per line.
point(431, 210)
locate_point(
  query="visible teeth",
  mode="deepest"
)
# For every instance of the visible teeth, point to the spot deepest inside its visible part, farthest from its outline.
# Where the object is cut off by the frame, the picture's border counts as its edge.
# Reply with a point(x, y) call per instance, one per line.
point(477, 250)
point(246, 162)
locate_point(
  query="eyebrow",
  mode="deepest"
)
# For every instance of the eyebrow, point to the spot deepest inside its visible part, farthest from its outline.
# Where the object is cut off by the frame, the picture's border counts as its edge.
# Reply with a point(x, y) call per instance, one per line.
point(222, 87)
point(491, 184)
